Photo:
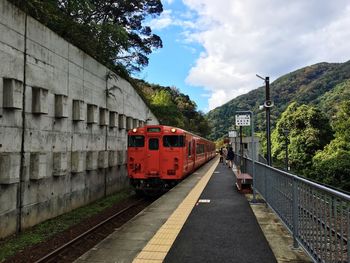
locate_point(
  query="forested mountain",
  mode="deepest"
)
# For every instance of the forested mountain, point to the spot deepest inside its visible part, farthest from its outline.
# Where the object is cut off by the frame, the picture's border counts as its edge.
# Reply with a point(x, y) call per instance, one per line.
point(316, 85)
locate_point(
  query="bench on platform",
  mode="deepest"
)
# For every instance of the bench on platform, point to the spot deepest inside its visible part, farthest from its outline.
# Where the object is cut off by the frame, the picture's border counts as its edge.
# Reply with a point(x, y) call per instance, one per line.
point(244, 182)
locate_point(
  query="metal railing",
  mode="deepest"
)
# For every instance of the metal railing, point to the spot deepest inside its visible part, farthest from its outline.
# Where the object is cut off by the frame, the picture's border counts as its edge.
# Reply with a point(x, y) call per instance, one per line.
point(317, 216)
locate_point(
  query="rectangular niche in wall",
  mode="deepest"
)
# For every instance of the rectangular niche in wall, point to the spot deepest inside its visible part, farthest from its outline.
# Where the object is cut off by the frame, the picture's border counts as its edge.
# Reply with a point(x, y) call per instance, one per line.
point(39, 100)
point(12, 94)
point(9, 168)
point(112, 158)
point(61, 106)
point(104, 117)
point(113, 119)
point(91, 160)
point(121, 157)
point(77, 162)
point(102, 159)
point(129, 123)
point(92, 113)
point(38, 164)
point(122, 120)
point(135, 123)
point(59, 163)
point(78, 110)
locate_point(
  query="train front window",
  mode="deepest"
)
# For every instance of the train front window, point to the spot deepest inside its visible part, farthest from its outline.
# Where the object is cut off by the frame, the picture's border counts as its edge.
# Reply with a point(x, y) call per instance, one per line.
point(153, 144)
point(136, 141)
point(173, 141)
point(154, 129)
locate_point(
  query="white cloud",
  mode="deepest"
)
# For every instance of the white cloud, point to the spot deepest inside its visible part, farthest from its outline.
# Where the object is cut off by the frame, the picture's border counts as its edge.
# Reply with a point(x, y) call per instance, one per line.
point(167, 19)
point(163, 21)
point(268, 37)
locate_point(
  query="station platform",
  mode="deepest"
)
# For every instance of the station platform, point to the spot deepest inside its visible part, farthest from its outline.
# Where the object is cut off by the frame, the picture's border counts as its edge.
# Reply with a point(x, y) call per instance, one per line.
point(202, 219)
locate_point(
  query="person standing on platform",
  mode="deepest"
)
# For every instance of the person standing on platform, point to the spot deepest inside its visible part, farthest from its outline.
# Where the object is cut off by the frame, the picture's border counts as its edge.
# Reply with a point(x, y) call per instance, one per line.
point(230, 157)
point(221, 155)
point(224, 154)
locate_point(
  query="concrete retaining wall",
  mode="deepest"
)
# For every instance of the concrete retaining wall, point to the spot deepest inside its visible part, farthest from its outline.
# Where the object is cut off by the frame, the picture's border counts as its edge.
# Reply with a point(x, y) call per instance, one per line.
point(63, 124)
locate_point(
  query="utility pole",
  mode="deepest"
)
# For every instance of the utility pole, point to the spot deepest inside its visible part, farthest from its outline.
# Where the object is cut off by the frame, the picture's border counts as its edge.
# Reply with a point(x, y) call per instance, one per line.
point(268, 131)
point(267, 105)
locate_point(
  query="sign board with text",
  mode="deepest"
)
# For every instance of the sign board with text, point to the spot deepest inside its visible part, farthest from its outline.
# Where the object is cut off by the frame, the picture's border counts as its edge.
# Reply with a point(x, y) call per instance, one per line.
point(243, 120)
point(232, 134)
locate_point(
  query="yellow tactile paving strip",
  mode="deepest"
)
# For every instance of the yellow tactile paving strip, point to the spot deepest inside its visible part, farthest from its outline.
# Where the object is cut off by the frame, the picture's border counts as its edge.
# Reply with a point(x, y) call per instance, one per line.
point(158, 247)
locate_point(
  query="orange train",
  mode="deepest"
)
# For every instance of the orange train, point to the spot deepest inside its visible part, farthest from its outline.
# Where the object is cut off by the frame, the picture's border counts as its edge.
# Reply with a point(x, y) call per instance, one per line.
point(161, 156)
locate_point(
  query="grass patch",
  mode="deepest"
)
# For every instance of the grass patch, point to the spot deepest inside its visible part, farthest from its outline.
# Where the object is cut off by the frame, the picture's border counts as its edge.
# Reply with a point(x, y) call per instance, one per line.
point(43, 231)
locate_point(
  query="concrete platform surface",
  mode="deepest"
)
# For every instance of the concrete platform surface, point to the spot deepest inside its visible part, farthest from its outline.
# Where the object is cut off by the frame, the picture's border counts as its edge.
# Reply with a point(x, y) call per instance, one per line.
point(280, 240)
point(221, 228)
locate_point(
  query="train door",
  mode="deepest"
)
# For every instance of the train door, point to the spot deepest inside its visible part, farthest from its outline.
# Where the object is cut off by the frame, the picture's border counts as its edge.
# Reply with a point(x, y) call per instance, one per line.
point(189, 156)
point(152, 158)
point(206, 150)
point(193, 154)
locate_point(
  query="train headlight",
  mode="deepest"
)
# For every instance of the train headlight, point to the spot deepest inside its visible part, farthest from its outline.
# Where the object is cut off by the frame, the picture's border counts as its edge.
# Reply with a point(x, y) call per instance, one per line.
point(173, 130)
point(134, 130)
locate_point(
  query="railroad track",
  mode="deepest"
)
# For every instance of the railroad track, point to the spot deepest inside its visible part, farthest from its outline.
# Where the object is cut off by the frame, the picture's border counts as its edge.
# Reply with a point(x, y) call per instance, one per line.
point(76, 247)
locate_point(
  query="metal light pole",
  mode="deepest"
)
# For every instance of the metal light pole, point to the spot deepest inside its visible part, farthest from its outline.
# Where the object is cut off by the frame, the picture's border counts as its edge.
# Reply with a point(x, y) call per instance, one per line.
point(267, 105)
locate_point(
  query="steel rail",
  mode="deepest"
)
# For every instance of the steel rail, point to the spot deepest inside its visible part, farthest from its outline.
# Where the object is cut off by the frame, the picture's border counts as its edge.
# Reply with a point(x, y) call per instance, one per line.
point(61, 248)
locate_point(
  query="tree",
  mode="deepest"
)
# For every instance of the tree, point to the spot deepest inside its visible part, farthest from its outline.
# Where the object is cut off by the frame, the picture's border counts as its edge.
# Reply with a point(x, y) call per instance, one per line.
point(109, 30)
point(332, 165)
point(165, 109)
point(165, 101)
point(309, 131)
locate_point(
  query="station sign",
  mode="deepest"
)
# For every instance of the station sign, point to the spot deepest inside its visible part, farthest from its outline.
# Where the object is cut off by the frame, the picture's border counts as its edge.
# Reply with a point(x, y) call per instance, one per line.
point(232, 134)
point(243, 120)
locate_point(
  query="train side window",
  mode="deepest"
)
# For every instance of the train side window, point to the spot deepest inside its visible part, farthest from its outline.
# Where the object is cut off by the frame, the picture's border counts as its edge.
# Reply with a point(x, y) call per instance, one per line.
point(173, 141)
point(189, 149)
point(136, 141)
point(200, 149)
point(153, 144)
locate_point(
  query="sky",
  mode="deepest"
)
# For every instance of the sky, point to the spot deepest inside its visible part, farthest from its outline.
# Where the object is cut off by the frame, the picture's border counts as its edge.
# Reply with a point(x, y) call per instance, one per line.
point(213, 49)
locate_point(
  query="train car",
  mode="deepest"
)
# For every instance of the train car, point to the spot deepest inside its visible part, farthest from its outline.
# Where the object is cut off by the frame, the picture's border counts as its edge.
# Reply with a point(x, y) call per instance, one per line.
point(161, 156)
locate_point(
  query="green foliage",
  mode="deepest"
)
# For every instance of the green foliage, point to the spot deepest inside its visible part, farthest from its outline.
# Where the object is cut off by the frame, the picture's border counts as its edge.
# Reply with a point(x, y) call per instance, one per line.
point(165, 109)
point(110, 31)
point(332, 165)
point(173, 108)
point(331, 100)
point(309, 131)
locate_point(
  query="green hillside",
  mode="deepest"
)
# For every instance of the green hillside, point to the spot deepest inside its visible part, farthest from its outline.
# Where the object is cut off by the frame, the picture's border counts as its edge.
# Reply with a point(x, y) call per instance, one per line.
point(173, 107)
point(316, 84)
